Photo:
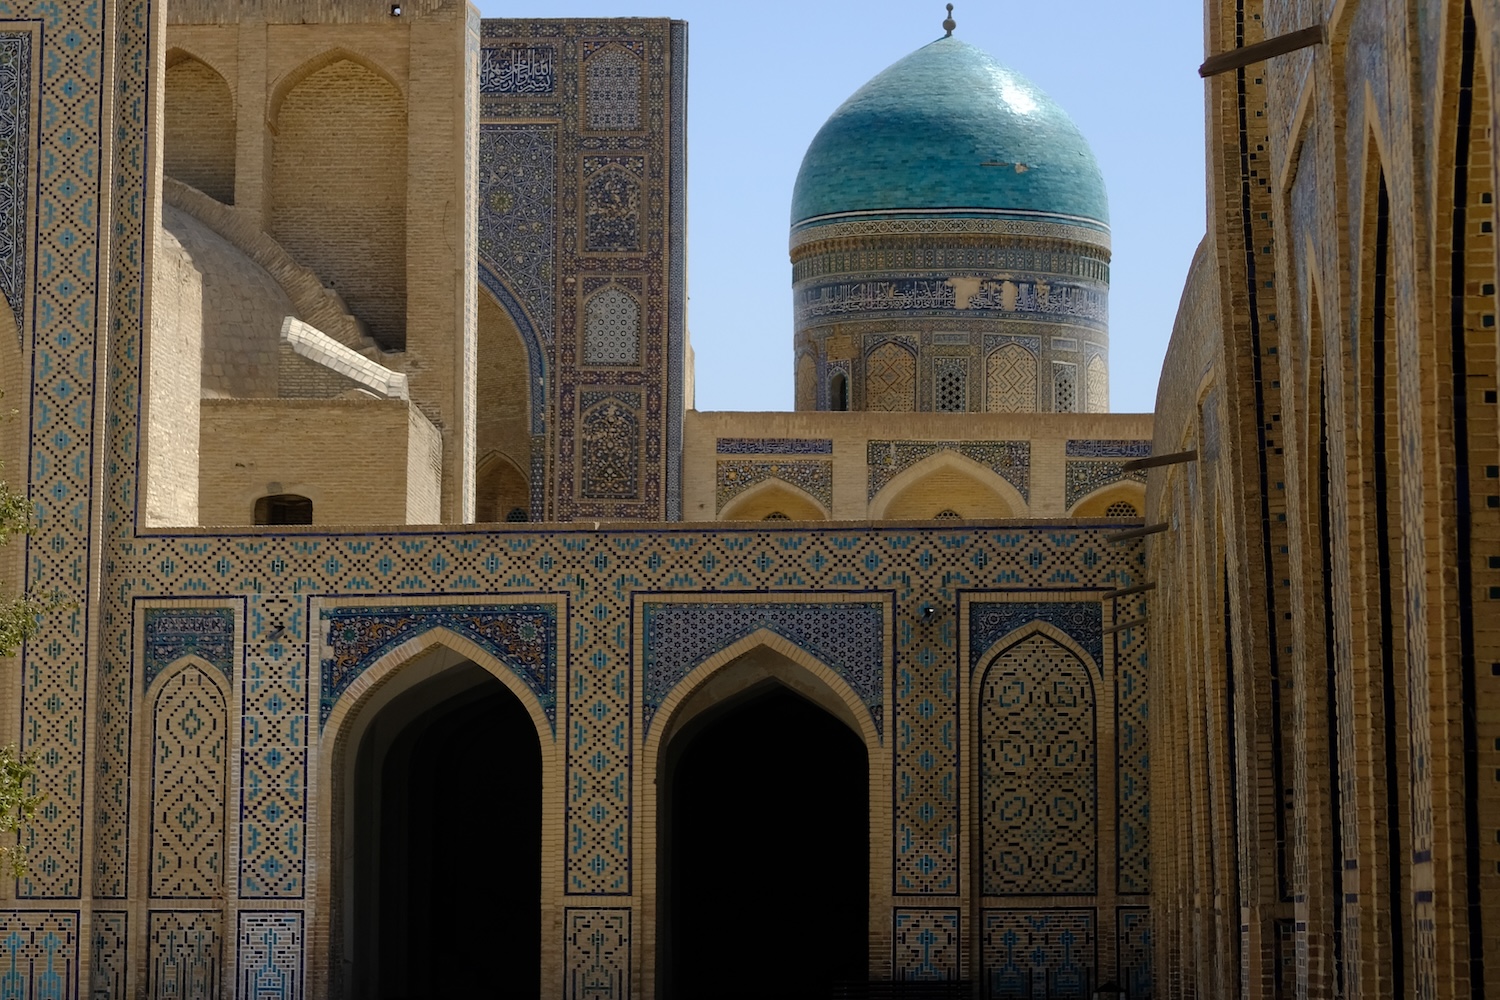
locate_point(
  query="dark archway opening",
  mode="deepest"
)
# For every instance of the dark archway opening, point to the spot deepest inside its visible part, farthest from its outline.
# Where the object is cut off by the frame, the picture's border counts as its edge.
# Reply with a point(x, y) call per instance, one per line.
point(447, 845)
point(766, 851)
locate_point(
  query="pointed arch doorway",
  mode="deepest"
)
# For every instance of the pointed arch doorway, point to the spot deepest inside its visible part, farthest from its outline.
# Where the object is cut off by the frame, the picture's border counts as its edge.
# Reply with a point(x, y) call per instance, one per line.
point(764, 819)
point(442, 831)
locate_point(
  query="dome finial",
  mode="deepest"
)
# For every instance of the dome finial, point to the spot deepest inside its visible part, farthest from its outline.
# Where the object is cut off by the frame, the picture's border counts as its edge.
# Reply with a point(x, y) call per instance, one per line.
point(949, 24)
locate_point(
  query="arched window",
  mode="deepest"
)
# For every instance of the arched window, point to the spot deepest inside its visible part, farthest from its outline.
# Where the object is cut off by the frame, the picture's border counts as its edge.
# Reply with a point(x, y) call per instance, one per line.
point(1121, 508)
point(947, 514)
point(284, 508)
point(838, 392)
point(517, 515)
point(776, 515)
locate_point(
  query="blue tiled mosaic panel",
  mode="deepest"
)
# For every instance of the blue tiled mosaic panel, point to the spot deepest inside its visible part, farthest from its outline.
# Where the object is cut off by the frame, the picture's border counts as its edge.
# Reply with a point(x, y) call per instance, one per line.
point(775, 446)
point(189, 787)
point(15, 172)
point(1029, 954)
point(172, 633)
point(184, 952)
point(1132, 749)
point(108, 950)
point(847, 638)
point(1079, 620)
point(521, 636)
point(517, 214)
point(269, 956)
point(39, 955)
point(596, 954)
point(1010, 460)
point(598, 572)
point(1134, 947)
point(926, 944)
point(1038, 777)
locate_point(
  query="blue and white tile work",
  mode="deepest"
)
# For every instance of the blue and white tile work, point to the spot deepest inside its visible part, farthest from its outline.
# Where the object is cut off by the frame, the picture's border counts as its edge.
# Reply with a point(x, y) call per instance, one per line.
point(250, 650)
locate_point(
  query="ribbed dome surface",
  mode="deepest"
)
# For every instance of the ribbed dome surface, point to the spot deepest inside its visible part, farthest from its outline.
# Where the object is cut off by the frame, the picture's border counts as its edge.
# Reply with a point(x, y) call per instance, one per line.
point(947, 130)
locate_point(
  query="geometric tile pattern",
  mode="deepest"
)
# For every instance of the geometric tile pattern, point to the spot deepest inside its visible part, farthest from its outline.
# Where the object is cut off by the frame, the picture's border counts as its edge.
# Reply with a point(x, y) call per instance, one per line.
point(1065, 387)
point(171, 634)
point(1096, 385)
point(596, 954)
point(1035, 954)
point(614, 89)
point(1038, 792)
point(812, 478)
point(269, 953)
point(1010, 380)
point(189, 787)
point(108, 954)
point(274, 693)
point(890, 379)
point(521, 636)
point(1134, 946)
point(1132, 750)
point(950, 385)
point(989, 622)
point(58, 667)
point(927, 944)
point(64, 347)
point(15, 169)
point(849, 639)
point(185, 951)
point(600, 571)
point(39, 954)
point(611, 333)
point(1010, 460)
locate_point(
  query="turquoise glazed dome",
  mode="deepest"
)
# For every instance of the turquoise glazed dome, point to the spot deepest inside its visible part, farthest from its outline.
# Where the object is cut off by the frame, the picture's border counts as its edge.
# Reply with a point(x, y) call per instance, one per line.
point(949, 132)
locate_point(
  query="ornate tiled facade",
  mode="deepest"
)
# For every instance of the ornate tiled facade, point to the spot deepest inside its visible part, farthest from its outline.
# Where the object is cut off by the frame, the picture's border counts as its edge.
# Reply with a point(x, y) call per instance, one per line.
point(194, 711)
point(813, 478)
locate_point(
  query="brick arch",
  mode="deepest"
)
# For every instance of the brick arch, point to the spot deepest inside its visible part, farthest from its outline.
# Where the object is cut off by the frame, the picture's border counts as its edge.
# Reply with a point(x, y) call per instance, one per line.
point(774, 495)
point(1097, 503)
point(424, 657)
point(289, 81)
point(199, 121)
point(761, 658)
point(947, 481)
point(338, 191)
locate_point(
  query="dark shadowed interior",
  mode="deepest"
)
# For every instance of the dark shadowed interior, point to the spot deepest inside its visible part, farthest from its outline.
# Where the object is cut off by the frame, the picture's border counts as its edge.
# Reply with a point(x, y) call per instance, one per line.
point(766, 856)
point(455, 907)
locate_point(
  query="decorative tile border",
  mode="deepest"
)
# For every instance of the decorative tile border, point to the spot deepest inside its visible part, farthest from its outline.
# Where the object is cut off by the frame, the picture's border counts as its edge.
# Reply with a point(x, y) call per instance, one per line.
point(172, 633)
point(1108, 449)
point(1080, 620)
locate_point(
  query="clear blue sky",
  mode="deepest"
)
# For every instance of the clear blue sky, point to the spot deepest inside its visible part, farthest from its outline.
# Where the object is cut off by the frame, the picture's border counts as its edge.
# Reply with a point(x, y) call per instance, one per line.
point(763, 76)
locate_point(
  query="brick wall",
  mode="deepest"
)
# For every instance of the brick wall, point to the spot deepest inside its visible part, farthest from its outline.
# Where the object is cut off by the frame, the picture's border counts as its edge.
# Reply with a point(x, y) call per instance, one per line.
point(338, 189)
point(173, 373)
point(336, 452)
point(199, 129)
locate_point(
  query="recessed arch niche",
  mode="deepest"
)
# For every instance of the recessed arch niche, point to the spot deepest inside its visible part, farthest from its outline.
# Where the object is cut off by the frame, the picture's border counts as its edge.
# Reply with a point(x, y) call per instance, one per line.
point(198, 126)
point(1105, 501)
point(773, 496)
point(436, 826)
point(946, 482)
point(765, 777)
